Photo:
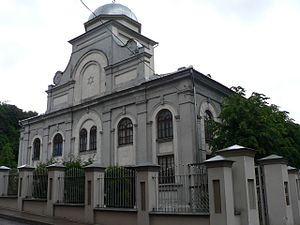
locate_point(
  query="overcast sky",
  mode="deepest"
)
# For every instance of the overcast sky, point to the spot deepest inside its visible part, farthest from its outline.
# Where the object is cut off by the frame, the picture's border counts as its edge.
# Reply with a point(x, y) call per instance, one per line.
point(251, 43)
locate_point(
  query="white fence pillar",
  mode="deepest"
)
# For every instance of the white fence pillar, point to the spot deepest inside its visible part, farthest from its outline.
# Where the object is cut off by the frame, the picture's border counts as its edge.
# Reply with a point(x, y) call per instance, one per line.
point(220, 189)
point(146, 192)
point(295, 194)
point(244, 188)
point(56, 173)
point(4, 172)
point(25, 184)
point(94, 190)
point(277, 189)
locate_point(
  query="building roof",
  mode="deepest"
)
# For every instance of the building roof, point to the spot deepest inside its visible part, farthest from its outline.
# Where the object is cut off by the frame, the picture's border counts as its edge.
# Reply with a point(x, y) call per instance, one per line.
point(113, 9)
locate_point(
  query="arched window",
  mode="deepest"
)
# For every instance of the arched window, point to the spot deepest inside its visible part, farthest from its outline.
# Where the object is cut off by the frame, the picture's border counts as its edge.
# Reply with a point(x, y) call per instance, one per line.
point(57, 145)
point(208, 119)
point(82, 140)
point(36, 149)
point(164, 124)
point(93, 138)
point(125, 132)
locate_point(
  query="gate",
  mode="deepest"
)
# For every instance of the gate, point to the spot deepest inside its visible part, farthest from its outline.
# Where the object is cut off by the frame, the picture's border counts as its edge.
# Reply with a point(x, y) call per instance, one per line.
point(261, 196)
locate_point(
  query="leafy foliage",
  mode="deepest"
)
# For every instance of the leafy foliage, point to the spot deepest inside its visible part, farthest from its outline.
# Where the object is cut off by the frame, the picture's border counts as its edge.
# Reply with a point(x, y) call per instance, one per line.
point(254, 123)
point(10, 115)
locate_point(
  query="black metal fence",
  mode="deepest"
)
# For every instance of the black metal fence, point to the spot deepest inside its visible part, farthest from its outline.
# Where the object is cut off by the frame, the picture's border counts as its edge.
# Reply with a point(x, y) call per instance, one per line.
point(118, 186)
point(73, 186)
point(185, 190)
point(11, 182)
point(40, 184)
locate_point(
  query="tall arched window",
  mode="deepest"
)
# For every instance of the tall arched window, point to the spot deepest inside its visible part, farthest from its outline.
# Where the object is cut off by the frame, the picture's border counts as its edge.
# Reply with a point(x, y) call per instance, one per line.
point(93, 138)
point(82, 140)
point(36, 149)
point(208, 118)
point(125, 132)
point(164, 124)
point(57, 145)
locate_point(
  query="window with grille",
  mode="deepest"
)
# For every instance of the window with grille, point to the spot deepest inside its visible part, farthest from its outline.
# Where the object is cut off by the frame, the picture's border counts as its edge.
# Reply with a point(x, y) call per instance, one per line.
point(82, 140)
point(286, 191)
point(167, 167)
point(36, 149)
point(125, 132)
point(208, 119)
point(57, 145)
point(93, 138)
point(164, 125)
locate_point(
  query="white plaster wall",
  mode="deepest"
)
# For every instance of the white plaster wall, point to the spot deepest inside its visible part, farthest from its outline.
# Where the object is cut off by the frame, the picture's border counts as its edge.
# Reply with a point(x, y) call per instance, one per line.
point(165, 147)
point(125, 155)
point(89, 76)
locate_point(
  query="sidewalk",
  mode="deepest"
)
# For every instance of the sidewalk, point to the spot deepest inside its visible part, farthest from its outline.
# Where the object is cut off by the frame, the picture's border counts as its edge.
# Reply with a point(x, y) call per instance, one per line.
point(33, 219)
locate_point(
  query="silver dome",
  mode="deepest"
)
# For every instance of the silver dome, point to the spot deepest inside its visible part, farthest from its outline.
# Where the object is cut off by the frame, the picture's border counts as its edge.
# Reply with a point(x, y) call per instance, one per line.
point(113, 9)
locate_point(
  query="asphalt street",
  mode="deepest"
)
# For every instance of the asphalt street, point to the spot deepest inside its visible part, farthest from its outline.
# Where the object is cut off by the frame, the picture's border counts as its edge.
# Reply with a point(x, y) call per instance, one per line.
point(10, 222)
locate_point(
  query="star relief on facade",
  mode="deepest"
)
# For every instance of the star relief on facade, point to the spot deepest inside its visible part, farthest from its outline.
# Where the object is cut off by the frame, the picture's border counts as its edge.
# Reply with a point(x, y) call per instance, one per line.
point(90, 80)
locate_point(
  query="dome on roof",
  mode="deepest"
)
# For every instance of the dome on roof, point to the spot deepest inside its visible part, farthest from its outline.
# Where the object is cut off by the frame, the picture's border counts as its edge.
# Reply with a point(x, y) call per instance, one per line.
point(113, 9)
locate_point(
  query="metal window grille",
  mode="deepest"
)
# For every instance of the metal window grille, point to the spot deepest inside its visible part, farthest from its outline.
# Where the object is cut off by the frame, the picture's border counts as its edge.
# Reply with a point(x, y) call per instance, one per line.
point(57, 145)
point(116, 189)
point(36, 149)
point(164, 124)
point(188, 192)
point(125, 132)
point(166, 172)
point(93, 138)
point(82, 140)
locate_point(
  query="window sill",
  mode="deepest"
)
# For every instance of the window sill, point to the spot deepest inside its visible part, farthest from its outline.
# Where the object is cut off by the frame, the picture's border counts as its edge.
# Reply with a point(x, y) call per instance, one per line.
point(162, 140)
point(124, 145)
point(87, 152)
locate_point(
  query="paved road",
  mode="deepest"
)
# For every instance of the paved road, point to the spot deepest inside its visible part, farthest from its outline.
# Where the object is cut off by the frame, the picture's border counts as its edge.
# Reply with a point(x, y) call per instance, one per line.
point(10, 222)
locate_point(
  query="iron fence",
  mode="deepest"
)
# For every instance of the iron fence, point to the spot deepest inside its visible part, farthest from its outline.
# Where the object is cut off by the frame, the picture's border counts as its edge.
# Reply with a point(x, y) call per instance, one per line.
point(185, 190)
point(11, 182)
point(39, 184)
point(72, 185)
point(116, 188)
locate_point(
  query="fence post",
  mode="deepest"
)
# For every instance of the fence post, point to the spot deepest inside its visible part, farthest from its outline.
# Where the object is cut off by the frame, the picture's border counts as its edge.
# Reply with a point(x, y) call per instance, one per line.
point(4, 172)
point(295, 194)
point(277, 189)
point(25, 183)
point(92, 190)
point(244, 188)
point(55, 194)
point(220, 189)
point(146, 191)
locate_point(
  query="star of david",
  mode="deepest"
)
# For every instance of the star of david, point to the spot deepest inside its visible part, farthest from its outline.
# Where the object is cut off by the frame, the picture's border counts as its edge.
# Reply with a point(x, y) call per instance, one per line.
point(90, 80)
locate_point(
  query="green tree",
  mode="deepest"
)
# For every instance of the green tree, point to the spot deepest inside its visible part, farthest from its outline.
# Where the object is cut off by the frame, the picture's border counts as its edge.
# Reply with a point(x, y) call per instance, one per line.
point(254, 123)
point(10, 115)
point(7, 157)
